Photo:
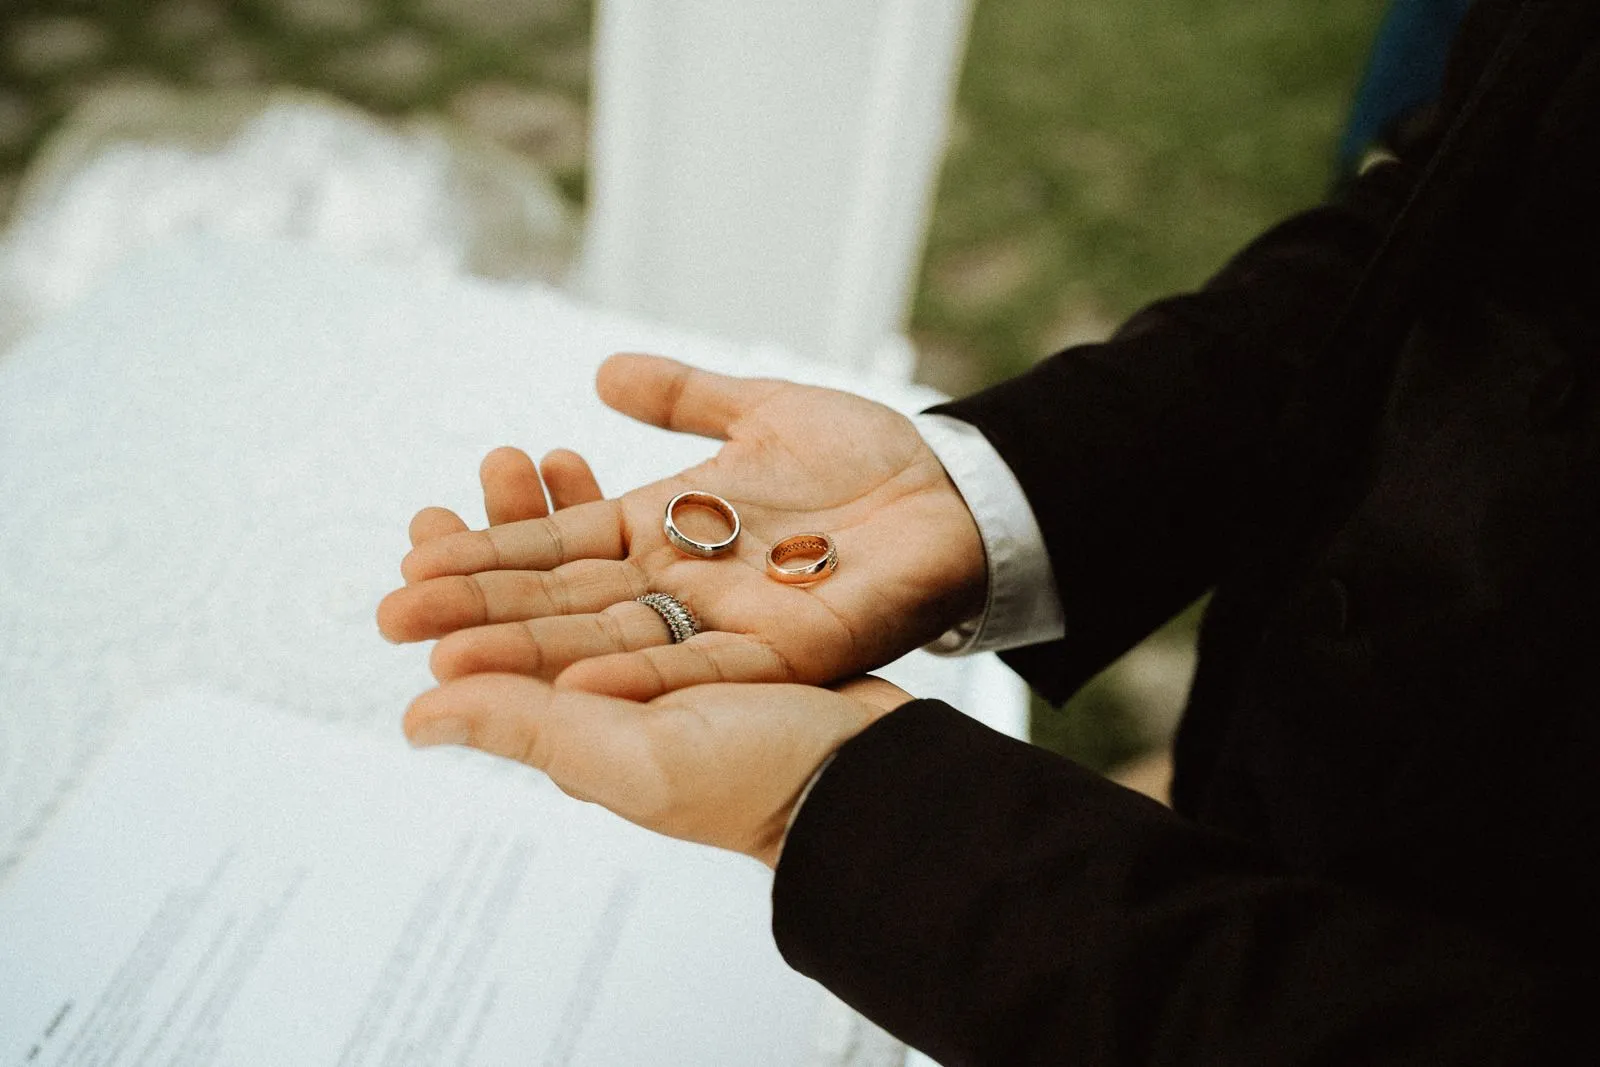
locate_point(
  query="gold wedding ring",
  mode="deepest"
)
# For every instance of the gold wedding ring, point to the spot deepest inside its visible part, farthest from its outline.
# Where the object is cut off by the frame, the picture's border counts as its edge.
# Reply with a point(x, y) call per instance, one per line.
point(688, 545)
point(807, 544)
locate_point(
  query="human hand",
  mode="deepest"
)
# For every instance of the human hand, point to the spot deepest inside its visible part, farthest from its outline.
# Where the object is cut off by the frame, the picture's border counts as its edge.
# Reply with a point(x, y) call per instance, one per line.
point(514, 490)
point(716, 764)
point(551, 596)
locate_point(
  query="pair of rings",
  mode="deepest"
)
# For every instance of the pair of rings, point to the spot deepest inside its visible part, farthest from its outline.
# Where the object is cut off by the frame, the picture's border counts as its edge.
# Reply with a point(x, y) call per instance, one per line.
point(822, 558)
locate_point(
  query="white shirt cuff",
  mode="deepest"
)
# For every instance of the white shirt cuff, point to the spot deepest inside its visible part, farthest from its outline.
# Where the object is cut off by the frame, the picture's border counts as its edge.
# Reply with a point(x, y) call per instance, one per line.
point(1022, 607)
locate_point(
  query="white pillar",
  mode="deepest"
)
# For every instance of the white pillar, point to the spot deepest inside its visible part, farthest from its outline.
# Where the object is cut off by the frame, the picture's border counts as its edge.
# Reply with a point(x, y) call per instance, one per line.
point(763, 169)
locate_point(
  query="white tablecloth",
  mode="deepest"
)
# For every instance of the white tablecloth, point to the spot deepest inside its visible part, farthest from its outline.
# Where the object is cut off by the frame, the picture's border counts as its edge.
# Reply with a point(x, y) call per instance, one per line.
point(207, 467)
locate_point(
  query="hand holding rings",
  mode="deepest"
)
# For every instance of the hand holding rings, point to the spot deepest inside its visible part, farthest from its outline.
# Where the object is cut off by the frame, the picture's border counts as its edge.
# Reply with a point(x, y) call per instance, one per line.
point(820, 547)
point(822, 559)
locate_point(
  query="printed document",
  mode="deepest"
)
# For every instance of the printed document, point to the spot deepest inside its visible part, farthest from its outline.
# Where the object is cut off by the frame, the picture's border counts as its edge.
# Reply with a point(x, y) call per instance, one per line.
point(235, 885)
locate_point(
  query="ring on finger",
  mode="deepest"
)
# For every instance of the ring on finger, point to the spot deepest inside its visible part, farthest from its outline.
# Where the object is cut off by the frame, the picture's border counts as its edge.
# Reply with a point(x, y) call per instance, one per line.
point(817, 545)
point(680, 621)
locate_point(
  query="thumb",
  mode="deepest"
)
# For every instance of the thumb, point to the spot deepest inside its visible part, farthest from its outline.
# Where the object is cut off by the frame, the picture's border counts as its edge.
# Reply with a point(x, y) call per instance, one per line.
point(870, 689)
point(594, 747)
point(676, 396)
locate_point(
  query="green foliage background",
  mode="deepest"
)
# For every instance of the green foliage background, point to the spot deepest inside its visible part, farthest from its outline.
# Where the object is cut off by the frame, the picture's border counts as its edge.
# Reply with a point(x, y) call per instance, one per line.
point(1105, 153)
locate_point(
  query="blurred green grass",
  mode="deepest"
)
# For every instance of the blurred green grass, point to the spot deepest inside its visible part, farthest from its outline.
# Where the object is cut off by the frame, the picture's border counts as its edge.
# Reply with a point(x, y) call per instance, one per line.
point(1104, 154)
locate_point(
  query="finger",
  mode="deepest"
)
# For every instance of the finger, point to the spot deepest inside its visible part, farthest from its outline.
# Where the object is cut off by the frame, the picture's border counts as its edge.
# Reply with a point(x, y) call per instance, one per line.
point(569, 479)
point(593, 747)
point(648, 673)
point(512, 489)
point(588, 531)
point(542, 648)
point(431, 523)
point(432, 608)
point(870, 689)
point(676, 396)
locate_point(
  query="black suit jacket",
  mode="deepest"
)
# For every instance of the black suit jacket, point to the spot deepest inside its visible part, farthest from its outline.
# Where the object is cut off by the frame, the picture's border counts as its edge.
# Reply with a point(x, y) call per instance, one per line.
point(1377, 434)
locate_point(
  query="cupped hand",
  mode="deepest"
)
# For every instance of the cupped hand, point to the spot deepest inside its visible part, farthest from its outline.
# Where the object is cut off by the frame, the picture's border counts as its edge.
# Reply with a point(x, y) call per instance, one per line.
point(719, 764)
point(550, 594)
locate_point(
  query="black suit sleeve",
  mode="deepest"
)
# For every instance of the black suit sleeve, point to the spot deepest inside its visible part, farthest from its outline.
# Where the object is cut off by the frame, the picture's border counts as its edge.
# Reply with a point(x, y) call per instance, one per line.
point(1143, 457)
point(990, 903)
point(1149, 458)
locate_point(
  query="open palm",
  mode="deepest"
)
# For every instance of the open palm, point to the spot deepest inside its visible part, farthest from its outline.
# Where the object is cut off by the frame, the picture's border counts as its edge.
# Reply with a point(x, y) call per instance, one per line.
point(720, 765)
point(551, 593)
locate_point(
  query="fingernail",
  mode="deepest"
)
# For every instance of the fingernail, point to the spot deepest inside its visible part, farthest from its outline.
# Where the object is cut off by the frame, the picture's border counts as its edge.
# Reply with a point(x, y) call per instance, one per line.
point(444, 731)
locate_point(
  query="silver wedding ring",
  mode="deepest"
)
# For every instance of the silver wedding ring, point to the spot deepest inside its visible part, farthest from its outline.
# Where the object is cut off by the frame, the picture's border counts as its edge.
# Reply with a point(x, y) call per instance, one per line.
point(679, 619)
point(815, 545)
point(688, 545)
